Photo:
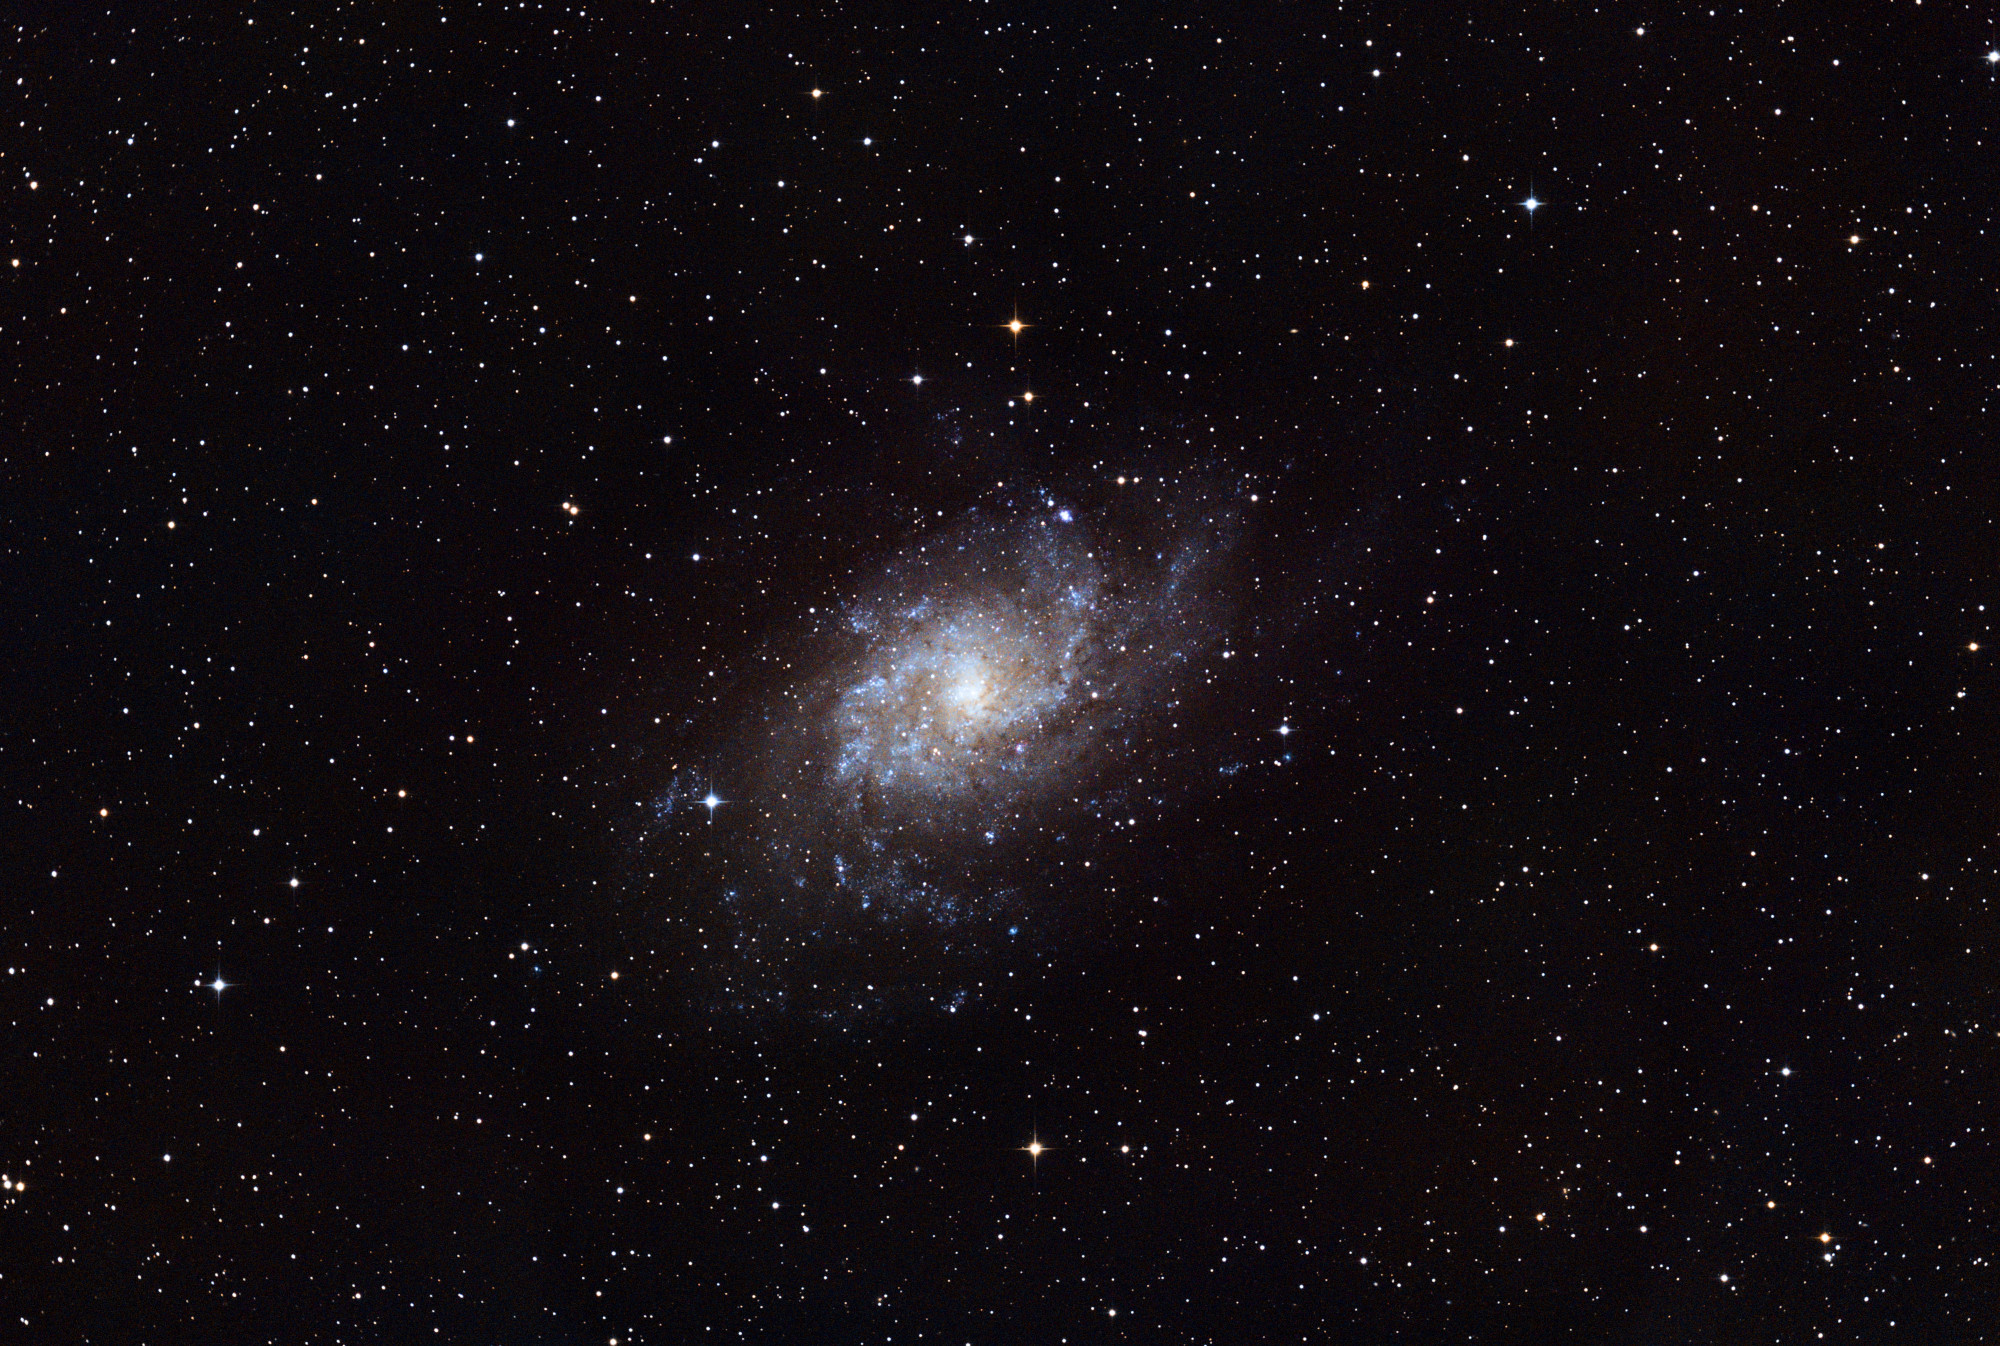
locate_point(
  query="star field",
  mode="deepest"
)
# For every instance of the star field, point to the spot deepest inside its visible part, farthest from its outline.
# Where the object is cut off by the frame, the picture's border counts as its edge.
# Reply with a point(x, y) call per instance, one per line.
point(998, 673)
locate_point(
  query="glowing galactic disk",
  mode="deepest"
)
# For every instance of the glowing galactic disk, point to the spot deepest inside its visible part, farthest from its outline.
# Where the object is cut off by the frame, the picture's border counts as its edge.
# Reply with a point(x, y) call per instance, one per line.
point(991, 672)
point(928, 737)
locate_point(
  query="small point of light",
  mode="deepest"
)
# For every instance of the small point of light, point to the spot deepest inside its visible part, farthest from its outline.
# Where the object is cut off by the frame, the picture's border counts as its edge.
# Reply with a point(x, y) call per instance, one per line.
point(1532, 205)
point(917, 379)
point(816, 93)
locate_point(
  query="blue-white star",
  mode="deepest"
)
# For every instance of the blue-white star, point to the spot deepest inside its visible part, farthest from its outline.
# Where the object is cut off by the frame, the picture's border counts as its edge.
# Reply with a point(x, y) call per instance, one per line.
point(1531, 205)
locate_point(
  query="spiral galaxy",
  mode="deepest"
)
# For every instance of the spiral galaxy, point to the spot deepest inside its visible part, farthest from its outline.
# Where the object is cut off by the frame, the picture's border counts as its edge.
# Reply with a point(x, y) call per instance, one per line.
point(995, 669)
point(938, 728)
point(998, 664)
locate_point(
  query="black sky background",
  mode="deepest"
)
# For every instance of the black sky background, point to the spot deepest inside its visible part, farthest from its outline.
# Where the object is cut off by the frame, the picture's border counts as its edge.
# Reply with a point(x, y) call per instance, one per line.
point(356, 446)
